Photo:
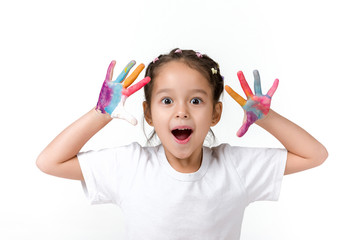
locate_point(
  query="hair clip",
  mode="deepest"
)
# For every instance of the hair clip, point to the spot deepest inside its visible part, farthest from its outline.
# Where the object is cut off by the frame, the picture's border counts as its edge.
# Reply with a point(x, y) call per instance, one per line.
point(214, 71)
point(155, 59)
point(199, 55)
point(178, 50)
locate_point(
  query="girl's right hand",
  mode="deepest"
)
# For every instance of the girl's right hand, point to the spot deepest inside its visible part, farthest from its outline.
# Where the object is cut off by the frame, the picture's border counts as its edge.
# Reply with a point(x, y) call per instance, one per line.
point(113, 94)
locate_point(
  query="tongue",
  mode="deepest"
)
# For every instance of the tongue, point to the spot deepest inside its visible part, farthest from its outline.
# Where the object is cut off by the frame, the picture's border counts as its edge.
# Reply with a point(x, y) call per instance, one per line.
point(182, 134)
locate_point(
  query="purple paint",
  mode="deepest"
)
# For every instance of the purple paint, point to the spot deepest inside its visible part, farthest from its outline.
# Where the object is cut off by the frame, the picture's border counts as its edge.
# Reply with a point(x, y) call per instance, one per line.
point(104, 97)
point(250, 119)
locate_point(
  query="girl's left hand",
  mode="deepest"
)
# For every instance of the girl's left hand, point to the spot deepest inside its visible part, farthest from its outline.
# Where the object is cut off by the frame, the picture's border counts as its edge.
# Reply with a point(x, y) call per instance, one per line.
point(256, 106)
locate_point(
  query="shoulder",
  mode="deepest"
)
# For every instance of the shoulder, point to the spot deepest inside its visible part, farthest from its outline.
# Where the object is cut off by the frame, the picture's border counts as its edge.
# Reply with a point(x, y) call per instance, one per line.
point(223, 153)
point(239, 155)
point(226, 149)
point(136, 151)
point(133, 147)
point(117, 159)
point(131, 151)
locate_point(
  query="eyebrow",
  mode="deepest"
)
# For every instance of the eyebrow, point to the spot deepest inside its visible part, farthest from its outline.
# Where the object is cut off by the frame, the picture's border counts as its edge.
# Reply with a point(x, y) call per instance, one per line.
point(197, 90)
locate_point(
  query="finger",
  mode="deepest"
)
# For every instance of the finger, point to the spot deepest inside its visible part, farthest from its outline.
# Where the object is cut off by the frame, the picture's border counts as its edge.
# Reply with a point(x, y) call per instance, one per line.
point(110, 71)
point(125, 72)
point(272, 90)
point(239, 99)
point(241, 132)
point(250, 118)
point(128, 81)
point(257, 83)
point(130, 90)
point(244, 84)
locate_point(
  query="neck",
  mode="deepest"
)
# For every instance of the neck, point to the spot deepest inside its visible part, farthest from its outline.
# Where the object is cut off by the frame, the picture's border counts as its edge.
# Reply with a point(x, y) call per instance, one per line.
point(186, 165)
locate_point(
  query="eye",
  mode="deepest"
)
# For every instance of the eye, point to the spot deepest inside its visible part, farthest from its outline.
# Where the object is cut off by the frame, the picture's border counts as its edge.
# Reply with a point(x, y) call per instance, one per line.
point(166, 101)
point(196, 101)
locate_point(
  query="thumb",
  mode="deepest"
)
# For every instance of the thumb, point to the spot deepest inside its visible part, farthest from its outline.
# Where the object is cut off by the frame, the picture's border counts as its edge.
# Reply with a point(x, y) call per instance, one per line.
point(249, 118)
point(128, 117)
point(121, 113)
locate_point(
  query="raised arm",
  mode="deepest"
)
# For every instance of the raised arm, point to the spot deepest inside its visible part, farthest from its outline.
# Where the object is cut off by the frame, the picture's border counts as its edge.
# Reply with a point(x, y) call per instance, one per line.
point(59, 157)
point(304, 151)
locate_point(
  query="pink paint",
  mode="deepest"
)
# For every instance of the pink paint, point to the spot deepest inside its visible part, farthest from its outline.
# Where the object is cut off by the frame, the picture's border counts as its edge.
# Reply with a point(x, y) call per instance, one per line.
point(256, 106)
point(244, 84)
point(273, 88)
point(113, 94)
point(130, 90)
point(250, 119)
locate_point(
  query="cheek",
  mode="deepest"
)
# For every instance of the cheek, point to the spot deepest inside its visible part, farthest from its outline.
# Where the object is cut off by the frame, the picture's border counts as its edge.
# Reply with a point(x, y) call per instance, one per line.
point(205, 118)
point(159, 118)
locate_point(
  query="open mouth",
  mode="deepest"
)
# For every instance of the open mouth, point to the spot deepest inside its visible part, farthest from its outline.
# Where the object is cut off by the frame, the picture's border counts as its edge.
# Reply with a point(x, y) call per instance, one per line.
point(182, 134)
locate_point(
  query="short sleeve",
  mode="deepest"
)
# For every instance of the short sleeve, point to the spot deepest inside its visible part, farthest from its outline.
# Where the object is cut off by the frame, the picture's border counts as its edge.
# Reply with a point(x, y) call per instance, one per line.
point(105, 171)
point(261, 171)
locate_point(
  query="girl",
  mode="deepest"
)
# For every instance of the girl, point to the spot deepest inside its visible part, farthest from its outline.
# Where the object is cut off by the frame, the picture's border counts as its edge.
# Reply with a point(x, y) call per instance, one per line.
point(181, 189)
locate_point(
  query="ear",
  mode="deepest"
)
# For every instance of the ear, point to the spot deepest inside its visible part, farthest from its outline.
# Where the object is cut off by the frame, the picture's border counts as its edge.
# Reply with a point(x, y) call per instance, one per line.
point(216, 114)
point(147, 113)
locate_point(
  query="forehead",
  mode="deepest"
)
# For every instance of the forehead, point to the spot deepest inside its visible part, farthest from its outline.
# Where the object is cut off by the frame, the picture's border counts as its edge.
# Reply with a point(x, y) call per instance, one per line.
point(178, 75)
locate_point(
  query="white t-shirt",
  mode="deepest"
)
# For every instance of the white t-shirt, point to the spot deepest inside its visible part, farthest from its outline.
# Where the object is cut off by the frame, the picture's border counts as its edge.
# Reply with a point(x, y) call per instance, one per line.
point(162, 204)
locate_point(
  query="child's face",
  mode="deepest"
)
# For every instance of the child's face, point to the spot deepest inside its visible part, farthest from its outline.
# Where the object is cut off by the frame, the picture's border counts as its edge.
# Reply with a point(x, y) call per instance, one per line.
point(182, 110)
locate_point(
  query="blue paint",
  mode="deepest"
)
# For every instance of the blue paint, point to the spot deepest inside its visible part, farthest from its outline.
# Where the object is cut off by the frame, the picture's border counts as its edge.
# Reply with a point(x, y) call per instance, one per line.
point(257, 84)
point(115, 97)
point(125, 72)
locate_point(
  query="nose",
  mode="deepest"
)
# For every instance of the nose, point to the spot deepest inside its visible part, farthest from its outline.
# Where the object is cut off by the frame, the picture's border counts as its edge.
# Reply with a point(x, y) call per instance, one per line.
point(181, 111)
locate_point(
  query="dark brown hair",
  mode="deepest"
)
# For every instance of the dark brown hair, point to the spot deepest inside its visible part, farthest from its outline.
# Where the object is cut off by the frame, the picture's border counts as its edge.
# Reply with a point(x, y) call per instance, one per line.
point(200, 62)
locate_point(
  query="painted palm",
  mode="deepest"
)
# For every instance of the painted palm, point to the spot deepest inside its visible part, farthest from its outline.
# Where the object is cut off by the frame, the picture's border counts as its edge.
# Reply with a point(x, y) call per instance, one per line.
point(113, 94)
point(256, 106)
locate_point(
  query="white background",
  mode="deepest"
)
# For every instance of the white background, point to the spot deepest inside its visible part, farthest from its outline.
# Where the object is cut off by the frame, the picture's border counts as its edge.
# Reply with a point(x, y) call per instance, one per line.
point(53, 59)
